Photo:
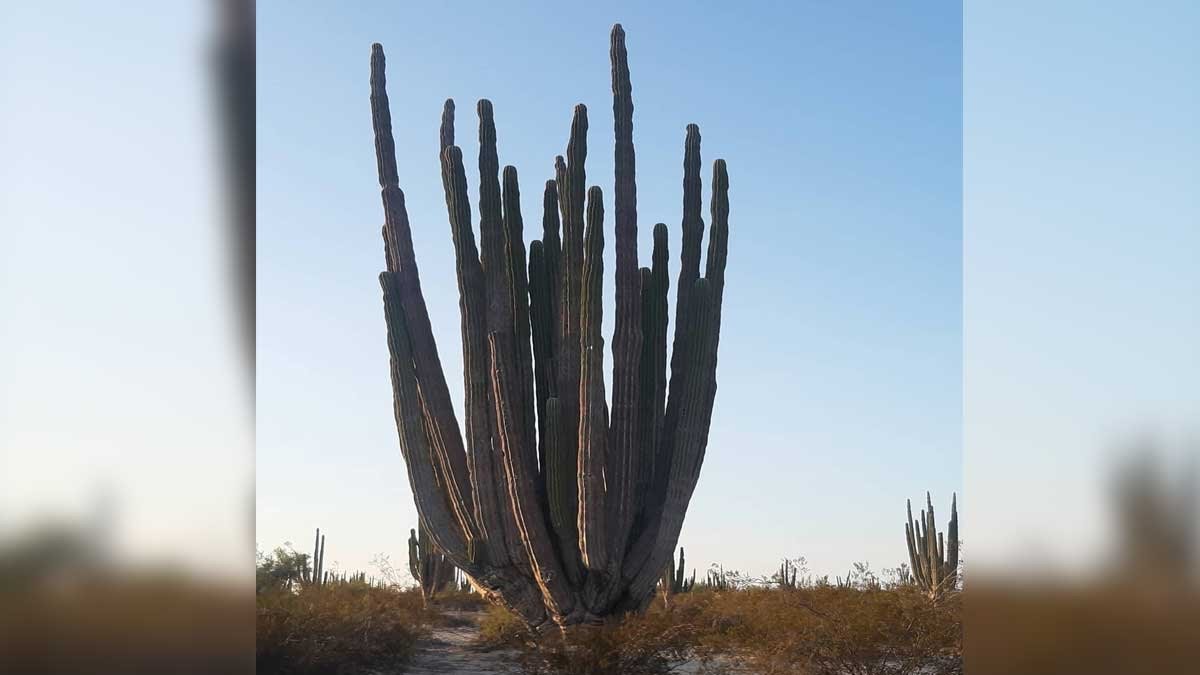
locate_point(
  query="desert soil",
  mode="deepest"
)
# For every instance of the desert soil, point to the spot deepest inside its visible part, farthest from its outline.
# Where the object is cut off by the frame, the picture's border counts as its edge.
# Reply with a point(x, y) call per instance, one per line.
point(452, 649)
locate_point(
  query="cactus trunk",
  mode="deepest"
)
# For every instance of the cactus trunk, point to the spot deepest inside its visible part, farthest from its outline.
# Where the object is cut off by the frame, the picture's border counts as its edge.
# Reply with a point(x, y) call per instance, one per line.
point(555, 506)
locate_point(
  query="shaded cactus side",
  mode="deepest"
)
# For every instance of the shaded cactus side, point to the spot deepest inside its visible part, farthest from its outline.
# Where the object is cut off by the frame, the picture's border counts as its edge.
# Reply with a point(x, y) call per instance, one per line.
point(432, 570)
point(933, 559)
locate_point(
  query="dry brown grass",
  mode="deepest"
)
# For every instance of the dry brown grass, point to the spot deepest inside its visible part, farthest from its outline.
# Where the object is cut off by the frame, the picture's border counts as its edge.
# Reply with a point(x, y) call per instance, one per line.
point(339, 628)
point(814, 631)
point(655, 643)
point(829, 630)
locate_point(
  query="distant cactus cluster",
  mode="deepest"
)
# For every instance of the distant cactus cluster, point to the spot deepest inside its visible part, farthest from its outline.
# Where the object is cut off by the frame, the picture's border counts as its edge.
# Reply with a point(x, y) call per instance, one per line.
point(933, 559)
point(431, 570)
point(788, 572)
point(716, 580)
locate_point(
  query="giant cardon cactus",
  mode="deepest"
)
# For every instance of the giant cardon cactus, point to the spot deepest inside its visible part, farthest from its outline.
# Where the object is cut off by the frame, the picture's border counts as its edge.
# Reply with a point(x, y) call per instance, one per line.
point(555, 508)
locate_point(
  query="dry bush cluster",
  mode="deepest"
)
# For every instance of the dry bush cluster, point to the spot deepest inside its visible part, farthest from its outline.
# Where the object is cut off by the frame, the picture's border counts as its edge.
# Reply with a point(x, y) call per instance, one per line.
point(339, 628)
point(814, 631)
point(649, 644)
point(827, 630)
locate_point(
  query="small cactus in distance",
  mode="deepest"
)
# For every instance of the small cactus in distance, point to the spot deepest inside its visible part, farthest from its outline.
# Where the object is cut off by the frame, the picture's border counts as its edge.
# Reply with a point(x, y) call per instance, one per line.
point(787, 575)
point(673, 580)
point(716, 580)
point(316, 574)
point(933, 559)
point(432, 570)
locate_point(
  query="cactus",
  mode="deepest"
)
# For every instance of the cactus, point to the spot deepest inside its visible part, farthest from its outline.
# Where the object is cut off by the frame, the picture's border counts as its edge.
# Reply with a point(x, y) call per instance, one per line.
point(933, 559)
point(786, 577)
point(431, 570)
point(673, 580)
point(315, 575)
point(556, 509)
point(716, 580)
point(462, 583)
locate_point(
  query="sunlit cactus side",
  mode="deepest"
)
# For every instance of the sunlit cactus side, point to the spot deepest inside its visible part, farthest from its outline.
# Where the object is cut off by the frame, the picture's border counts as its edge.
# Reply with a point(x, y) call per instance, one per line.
point(933, 555)
point(674, 581)
point(432, 571)
point(554, 505)
point(461, 582)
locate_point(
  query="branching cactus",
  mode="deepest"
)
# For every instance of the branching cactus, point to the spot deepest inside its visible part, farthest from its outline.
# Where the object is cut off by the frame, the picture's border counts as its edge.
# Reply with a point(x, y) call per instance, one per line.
point(673, 580)
point(934, 560)
point(557, 507)
point(432, 570)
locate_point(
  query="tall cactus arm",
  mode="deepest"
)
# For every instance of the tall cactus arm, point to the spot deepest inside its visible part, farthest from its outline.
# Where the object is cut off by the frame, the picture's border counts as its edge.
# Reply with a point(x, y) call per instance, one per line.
point(514, 251)
point(472, 303)
point(690, 438)
point(432, 506)
point(552, 245)
point(541, 326)
point(593, 424)
point(446, 442)
point(571, 175)
point(653, 380)
point(522, 490)
point(623, 456)
point(562, 492)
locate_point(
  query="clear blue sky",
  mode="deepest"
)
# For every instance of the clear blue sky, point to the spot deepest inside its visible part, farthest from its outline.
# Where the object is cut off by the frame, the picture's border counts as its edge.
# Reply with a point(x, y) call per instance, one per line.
point(1080, 217)
point(840, 366)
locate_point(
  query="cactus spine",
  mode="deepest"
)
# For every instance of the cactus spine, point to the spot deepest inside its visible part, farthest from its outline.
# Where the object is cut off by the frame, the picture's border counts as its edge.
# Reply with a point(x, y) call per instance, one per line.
point(432, 571)
point(934, 560)
point(555, 506)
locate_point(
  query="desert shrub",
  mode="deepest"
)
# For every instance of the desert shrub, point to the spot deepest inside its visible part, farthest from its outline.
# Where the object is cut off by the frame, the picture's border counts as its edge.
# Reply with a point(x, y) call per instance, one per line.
point(459, 601)
point(829, 630)
point(338, 628)
point(654, 643)
point(500, 628)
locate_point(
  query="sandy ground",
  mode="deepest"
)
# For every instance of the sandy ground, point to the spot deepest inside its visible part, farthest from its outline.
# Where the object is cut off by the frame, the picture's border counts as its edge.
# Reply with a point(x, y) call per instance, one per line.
point(453, 650)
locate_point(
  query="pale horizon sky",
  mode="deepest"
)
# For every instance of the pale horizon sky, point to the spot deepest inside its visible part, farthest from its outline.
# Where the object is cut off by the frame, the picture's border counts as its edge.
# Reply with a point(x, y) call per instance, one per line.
point(840, 367)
